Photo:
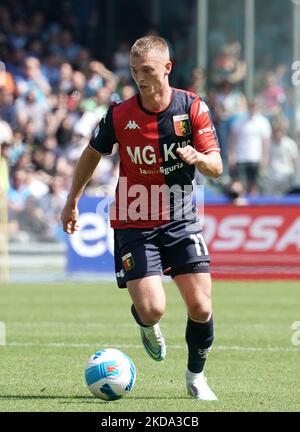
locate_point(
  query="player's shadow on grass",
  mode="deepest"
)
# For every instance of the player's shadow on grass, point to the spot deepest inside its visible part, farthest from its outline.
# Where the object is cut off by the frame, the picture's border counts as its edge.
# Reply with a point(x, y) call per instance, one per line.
point(83, 399)
point(132, 398)
point(41, 397)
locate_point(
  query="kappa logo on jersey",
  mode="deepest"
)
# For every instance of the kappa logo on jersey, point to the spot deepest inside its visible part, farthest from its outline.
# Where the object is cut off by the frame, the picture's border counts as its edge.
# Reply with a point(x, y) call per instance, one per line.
point(132, 125)
point(128, 262)
point(203, 108)
point(182, 124)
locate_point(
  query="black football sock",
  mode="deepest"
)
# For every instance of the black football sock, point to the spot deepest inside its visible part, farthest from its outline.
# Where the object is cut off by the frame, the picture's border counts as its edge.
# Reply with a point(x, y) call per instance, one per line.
point(199, 338)
point(136, 317)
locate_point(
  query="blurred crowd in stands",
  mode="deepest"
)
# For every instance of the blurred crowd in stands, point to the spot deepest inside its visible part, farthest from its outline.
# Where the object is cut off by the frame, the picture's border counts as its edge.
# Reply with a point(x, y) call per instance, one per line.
point(53, 92)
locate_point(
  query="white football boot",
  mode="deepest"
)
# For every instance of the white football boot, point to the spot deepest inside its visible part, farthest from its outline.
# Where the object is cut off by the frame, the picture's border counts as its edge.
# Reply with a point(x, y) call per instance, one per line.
point(153, 342)
point(197, 386)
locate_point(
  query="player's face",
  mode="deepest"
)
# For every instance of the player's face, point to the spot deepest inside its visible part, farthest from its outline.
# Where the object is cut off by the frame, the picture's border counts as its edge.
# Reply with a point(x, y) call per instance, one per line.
point(149, 73)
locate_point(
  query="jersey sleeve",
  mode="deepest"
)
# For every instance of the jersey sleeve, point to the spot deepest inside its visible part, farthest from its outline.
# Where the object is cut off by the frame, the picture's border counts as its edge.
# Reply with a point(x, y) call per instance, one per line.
point(205, 138)
point(104, 136)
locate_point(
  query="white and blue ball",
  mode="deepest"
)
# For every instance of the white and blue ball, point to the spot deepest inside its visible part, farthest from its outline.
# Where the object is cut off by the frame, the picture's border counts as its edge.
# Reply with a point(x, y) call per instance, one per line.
point(110, 374)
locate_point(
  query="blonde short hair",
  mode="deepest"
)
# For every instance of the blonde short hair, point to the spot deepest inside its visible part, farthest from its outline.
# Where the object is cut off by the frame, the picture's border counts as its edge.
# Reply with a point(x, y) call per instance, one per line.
point(149, 44)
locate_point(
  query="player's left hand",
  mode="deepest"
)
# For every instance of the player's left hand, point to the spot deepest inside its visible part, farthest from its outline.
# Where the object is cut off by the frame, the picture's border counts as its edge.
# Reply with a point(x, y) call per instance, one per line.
point(189, 155)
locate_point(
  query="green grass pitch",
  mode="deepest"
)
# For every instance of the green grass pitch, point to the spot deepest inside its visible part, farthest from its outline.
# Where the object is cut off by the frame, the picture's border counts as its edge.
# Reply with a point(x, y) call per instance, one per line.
point(52, 329)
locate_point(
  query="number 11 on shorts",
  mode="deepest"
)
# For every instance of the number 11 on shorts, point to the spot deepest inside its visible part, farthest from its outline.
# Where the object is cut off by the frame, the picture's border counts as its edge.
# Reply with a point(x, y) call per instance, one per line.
point(199, 244)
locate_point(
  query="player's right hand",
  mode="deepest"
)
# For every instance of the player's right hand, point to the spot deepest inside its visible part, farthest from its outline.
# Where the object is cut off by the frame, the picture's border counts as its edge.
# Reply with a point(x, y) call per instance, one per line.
point(69, 218)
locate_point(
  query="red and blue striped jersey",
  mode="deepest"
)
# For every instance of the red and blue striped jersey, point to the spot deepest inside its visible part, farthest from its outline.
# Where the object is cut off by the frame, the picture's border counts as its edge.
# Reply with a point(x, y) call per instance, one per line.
point(149, 164)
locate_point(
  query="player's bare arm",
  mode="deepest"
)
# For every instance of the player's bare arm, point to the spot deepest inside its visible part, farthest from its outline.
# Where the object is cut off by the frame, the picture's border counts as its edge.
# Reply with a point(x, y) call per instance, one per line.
point(209, 164)
point(84, 169)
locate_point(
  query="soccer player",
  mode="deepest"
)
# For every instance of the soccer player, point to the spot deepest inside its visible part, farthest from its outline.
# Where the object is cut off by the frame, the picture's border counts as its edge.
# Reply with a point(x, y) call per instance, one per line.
point(164, 134)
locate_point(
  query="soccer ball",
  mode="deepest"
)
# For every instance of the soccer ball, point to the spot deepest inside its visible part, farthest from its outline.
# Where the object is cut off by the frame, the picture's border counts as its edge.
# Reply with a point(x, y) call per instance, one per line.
point(110, 374)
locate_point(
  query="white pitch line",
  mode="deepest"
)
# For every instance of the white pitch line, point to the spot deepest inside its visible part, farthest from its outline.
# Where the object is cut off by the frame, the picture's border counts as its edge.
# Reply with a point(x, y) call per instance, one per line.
point(41, 324)
point(255, 349)
point(87, 345)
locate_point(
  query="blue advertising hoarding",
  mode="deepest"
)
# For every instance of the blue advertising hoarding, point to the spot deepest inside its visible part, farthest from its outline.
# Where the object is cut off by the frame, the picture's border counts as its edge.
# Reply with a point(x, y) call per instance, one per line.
point(254, 231)
point(90, 249)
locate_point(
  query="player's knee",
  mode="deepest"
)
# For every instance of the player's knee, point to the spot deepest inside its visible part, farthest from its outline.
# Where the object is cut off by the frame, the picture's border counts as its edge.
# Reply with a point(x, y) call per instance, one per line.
point(200, 312)
point(151, 315)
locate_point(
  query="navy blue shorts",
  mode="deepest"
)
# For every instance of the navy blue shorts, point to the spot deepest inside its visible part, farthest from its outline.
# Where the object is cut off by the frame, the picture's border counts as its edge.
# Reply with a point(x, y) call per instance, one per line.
point(174, 248)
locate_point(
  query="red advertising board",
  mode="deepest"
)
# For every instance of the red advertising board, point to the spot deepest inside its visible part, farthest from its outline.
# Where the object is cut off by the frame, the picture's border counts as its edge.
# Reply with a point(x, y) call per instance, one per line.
point(252, 242)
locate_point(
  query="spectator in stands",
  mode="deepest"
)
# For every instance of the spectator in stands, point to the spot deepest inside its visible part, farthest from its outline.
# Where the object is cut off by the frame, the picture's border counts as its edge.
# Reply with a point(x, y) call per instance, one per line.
point(7, 110)
point(67, 48)
point(284, 155)
point(228, 65)
point(101, 101)
point(121, 63)
point(24, 161)
point(198, 84)
point(17, 148)
point(6, 133)
point(30, 136)
point(5, 19)
point(65, 83)
point(7, 83)
point(33, 220)
point(52, 204)
point(35, 48)
point(80, 140)
point(127, 91)
point(236, 193)
point(36, 183)
point(4, 168)
point(17, 196)
point(37, 25)
point(296, 187)
point(64, 132)
point(53, 40)
point(29, 107)
point(273, 97)
point(96, 74)
point(83, 60)
point(112, 86)
point(78, 82)
point(50, 143)
point(33, 79)
point(48, 162)
point(18, 37)
point(229, 104)
point(249, 147)
point(51, 69)
point(65, 168)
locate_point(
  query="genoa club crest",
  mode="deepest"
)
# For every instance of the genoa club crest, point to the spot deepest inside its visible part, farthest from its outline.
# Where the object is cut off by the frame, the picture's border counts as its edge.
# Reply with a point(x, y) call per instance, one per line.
point(128, 262)
point(182, 124)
